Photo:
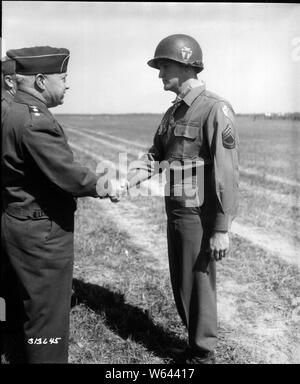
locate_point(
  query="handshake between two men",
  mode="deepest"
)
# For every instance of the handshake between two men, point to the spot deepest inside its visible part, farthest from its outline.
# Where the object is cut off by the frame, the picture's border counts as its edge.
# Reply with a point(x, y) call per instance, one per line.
point(112, 188)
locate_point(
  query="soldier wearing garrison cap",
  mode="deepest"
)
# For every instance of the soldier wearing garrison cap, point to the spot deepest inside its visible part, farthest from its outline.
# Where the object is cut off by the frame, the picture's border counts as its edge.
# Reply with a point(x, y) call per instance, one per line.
point(8, 90)
point(41, 182)
point(8, 83)
point(198, 138)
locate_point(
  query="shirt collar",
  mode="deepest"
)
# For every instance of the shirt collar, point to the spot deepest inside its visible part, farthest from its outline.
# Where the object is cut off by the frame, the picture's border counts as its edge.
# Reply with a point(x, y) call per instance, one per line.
point(24, 97)
point(191, 92)
point(6, 95)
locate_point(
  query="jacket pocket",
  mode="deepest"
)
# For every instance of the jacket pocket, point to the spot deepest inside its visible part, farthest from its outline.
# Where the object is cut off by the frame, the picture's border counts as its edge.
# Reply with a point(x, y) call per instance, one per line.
point(42, 228)
point(186, 131)
point(54, 230)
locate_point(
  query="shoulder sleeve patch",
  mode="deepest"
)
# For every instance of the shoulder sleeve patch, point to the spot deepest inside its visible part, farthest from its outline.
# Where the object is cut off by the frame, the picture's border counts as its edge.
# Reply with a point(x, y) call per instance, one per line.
point(225, 110)
point(228, 137)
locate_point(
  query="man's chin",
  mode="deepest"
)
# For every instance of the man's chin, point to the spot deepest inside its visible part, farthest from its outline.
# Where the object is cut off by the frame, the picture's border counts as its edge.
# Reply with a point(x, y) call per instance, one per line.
point(61, 101)
point(56, 104)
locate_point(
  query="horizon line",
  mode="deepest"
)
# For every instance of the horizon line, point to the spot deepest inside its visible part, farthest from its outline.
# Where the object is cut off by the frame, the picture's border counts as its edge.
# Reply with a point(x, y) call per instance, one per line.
point(161, 113)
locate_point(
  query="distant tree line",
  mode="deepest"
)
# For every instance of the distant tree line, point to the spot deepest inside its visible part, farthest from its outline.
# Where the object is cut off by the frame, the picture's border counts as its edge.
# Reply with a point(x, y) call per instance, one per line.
point(272, 116)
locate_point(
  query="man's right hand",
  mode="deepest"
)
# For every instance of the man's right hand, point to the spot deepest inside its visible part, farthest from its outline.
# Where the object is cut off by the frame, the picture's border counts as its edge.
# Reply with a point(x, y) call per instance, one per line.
point(118, 189)
point(114, 190)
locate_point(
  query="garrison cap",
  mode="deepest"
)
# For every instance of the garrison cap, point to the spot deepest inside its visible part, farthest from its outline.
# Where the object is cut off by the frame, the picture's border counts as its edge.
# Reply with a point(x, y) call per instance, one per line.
point(8, 66)
point(30, 61)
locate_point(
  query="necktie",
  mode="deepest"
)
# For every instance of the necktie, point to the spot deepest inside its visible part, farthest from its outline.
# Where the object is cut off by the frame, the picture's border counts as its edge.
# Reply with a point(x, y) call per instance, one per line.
point(177, 103)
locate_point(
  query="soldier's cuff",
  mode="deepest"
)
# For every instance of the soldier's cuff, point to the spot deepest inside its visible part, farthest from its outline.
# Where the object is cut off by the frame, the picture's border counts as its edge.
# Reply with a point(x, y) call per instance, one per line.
point(222, 222)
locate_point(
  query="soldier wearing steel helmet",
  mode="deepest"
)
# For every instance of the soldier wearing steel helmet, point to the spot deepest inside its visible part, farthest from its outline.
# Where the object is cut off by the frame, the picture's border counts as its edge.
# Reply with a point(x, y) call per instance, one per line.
point(197, 132)
point(41, 183)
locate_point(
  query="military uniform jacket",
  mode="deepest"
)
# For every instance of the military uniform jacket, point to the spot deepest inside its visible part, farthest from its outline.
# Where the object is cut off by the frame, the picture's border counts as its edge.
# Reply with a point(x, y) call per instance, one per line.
point(6, 99)
point(203, 129)
point(39, 175)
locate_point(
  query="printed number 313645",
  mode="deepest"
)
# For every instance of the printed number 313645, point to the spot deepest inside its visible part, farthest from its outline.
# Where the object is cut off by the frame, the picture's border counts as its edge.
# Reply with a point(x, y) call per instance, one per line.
point(40, 340)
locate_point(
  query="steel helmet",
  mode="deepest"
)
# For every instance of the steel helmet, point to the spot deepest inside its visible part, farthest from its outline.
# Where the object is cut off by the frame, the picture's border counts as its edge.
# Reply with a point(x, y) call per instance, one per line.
point(181, 48)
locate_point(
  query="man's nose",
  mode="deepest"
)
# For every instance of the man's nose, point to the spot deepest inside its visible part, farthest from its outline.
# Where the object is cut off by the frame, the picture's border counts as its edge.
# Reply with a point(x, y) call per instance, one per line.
point(161, 72)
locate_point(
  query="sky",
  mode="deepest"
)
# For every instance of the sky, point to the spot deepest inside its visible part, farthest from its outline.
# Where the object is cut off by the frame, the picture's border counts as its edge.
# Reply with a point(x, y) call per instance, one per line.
point(251, 52)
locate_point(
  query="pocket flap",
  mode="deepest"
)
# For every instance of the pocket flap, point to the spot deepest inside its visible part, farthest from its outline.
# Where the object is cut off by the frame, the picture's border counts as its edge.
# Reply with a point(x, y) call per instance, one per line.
point(188, 131)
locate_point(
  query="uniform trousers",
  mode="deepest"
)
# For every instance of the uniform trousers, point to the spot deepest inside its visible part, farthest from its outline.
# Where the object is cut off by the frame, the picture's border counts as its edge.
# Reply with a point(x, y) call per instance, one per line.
point(193, 275)
point(38, 269)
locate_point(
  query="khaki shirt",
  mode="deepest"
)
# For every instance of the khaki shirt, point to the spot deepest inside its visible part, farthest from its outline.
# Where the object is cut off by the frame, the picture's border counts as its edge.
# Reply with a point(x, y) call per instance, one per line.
point(203, 130)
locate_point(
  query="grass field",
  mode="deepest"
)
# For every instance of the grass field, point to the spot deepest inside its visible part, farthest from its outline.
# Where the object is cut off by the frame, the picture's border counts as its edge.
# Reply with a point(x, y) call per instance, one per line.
point(125, 311)
point(268, 148)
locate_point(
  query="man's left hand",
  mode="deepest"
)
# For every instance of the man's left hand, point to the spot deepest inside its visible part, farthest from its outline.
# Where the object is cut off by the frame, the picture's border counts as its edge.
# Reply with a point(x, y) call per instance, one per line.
point(218, 245)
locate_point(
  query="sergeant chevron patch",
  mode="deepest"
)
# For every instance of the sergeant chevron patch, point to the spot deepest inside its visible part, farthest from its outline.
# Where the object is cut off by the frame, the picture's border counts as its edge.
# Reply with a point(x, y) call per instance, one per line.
point(228, 137)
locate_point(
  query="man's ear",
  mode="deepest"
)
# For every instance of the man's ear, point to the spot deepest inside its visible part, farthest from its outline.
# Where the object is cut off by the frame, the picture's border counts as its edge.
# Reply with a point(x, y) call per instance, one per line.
point(9, 81)
point(188, 69)
point(40, 81)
